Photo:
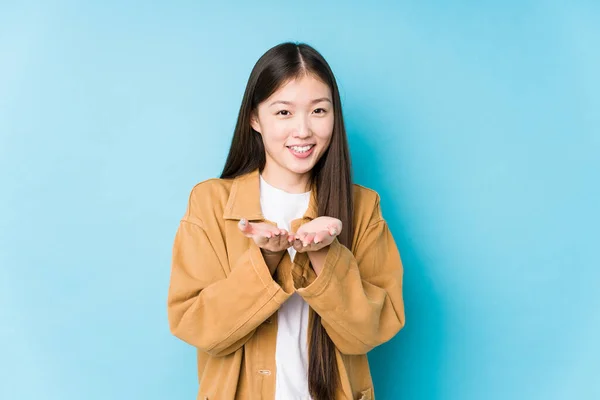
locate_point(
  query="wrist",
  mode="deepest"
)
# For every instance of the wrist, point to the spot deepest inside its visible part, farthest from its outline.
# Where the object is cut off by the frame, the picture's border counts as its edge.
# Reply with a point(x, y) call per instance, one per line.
point(272, 259)
point(317, 259)
point(269, 253)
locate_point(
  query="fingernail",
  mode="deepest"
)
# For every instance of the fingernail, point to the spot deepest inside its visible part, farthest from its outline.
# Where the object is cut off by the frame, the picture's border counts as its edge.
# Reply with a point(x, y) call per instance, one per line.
point(243, 221)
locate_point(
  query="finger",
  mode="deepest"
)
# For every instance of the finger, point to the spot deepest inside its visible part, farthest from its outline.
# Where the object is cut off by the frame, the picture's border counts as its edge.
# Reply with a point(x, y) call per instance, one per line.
point(283, 237)
point(245, 226)
point(261, 232)
point(302, 238)
point(333, 231)
point(298, 246)
point(276, 240)
point(308, 239)
point(301, 235)
point(315, 246)
point(283, 241)
point(290, 237)
point(261, 240)
point(320, 236)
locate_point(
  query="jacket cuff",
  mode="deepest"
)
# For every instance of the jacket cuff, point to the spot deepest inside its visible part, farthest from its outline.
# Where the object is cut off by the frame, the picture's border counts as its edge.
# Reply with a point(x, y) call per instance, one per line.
point(262, 270)
point(321, 282)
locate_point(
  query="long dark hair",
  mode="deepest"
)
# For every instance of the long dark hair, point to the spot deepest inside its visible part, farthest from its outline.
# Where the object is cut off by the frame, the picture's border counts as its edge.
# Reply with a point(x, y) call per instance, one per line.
point(332, 174)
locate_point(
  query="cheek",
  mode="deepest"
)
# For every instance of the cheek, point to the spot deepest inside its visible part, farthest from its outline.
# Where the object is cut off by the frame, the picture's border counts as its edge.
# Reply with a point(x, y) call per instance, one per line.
point(274, 134)
point(323, 129)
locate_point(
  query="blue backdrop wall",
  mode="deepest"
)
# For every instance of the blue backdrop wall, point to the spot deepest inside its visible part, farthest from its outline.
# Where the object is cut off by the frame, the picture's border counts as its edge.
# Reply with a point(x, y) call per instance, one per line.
point(477, 122)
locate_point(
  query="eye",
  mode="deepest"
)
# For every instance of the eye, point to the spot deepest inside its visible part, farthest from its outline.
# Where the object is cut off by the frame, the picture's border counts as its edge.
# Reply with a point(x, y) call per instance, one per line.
point(283, 112)
point(320, 111)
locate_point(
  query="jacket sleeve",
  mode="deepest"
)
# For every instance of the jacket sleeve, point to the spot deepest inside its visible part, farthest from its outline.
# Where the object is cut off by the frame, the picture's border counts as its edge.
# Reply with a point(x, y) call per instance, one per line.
point(213, 311)
point(359, 296)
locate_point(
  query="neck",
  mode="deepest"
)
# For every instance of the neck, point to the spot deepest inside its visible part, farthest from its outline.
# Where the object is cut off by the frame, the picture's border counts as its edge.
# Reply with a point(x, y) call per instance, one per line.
point(287, 180)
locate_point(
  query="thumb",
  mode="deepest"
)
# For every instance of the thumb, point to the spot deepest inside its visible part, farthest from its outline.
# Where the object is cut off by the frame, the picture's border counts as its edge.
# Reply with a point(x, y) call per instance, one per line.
point(333, 231)
point(244, 226)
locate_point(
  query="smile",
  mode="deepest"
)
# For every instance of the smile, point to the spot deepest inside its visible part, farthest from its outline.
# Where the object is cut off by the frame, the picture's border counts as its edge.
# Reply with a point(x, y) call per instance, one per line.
point(301, 151)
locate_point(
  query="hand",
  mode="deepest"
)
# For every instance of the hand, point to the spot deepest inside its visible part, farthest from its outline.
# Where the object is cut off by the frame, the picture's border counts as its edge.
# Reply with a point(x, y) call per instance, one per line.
point(317, 234)
point(269, 238)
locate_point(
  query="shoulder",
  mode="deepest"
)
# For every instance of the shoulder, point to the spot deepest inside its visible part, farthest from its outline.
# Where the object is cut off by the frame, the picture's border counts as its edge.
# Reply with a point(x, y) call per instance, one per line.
point(365, 194)
point(366, 205)
point(208, 198)
point(212, 187)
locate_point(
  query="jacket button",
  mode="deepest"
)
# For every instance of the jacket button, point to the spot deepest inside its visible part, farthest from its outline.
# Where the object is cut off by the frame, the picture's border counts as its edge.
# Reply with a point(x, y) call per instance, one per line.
point(264, 372)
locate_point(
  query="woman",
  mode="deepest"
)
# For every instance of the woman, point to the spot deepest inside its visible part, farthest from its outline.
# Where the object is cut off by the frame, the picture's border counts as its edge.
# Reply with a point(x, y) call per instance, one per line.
point(284, 273)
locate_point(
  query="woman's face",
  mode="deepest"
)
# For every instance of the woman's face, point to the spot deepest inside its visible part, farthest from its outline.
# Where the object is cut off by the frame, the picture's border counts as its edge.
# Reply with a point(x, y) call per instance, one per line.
point(296, 124)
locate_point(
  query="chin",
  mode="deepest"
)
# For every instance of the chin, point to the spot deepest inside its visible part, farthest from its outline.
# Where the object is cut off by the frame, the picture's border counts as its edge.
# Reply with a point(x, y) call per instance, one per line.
point(297, 169)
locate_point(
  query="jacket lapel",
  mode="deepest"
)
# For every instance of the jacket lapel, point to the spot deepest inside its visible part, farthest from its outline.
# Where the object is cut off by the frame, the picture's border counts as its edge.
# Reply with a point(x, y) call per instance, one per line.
point(244, 199)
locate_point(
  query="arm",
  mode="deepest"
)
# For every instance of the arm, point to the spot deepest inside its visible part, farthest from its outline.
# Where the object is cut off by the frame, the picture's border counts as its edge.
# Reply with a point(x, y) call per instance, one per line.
point(359, 296)
point(272, 259)
point(210, 310)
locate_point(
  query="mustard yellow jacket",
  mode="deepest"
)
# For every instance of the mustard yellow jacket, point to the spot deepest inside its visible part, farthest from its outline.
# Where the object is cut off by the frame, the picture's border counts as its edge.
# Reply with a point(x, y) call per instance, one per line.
point(223, 300)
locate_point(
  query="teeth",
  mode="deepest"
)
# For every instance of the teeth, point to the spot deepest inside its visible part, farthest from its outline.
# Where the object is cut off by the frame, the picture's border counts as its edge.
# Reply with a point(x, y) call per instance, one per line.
point(302, 149)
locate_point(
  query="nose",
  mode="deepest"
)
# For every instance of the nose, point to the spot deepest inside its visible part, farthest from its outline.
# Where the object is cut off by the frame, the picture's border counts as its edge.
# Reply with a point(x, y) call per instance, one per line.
point(302, 128)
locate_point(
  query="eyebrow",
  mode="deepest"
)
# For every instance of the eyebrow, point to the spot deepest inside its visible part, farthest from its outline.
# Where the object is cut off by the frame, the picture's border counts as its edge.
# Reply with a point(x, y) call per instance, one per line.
point(315, 101)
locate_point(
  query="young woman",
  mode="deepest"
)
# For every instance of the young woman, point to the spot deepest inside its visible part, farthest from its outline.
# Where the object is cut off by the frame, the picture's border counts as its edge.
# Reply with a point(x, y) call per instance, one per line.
point(284, 273)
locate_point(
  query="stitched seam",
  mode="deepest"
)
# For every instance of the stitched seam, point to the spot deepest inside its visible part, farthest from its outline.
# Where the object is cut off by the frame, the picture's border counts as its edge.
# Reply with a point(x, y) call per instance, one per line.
point(257, 272)
point(347, 330)
point(375, 223)
point(244, 320)
point(372, 224)
point(232, 194)
point(196, 186)
point(329, 274)
point(246, 317)
point(342, 324)
point(332, 319)
point(252, 312)
point(199, 224)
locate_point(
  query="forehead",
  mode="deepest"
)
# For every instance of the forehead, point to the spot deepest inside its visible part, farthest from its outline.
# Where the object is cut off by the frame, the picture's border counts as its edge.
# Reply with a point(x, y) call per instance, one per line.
point(304, 88)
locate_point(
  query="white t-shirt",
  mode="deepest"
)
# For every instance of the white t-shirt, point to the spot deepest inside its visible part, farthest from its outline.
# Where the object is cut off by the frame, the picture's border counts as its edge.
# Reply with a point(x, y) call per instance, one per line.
point(291, 354)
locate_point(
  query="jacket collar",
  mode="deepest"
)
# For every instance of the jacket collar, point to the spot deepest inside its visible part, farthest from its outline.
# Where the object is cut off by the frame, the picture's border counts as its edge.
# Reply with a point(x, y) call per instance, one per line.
point(244, 199)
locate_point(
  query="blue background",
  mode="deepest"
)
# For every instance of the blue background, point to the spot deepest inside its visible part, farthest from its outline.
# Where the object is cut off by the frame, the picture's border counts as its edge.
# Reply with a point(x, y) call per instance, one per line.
point(477, 122)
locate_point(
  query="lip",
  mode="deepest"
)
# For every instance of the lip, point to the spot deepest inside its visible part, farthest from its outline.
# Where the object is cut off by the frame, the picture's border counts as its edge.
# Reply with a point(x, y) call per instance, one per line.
point(301, 145)
point(302, 155)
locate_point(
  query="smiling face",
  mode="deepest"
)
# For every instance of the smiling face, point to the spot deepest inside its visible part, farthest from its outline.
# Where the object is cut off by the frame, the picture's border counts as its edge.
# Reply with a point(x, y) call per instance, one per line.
point(296, 125)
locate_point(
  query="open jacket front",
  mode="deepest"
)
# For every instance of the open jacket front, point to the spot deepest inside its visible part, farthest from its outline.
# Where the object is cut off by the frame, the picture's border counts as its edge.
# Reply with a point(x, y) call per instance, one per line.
point(223, 300)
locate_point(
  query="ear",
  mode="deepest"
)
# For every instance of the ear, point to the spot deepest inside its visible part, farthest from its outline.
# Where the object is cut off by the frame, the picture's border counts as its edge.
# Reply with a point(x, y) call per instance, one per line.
point(254, 121)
